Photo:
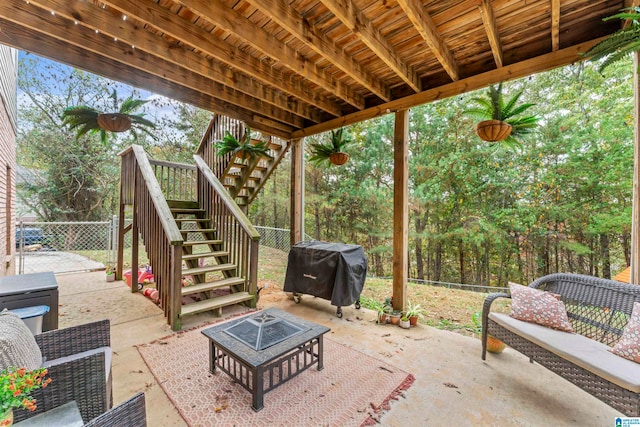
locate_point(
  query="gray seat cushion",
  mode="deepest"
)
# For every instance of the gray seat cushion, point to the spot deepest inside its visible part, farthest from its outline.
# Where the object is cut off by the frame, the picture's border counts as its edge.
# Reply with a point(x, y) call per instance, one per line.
point(18, 347)
point(590, 355)
point(107, 359)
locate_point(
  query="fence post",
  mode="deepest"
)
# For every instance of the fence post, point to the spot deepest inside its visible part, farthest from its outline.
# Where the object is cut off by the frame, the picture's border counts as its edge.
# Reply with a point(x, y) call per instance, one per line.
point(21, 252)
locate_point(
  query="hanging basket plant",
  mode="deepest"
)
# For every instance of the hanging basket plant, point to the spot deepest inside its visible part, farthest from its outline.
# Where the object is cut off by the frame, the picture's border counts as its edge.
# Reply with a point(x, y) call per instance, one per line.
point(500, 120)
point(245, 148)
point(332, 150)
point(114, 122)
point(620, 44)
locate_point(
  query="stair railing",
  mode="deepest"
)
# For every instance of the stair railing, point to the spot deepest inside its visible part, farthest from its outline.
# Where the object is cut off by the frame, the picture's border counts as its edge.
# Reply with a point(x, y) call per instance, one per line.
point(232, 225)
point(152, 219)
point(177, 180)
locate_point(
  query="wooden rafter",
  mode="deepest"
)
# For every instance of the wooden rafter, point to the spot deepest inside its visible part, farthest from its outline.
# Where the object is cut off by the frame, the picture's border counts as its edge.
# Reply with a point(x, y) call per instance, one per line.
point(491, 28)
point(217, 13)
point(347, 12)
point(41, 44)
point(427, 29)
point(555, 25)
point(287, 17)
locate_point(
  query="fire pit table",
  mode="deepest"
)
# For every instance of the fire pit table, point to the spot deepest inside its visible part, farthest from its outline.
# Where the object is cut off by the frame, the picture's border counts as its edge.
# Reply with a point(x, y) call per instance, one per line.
point(264, 350)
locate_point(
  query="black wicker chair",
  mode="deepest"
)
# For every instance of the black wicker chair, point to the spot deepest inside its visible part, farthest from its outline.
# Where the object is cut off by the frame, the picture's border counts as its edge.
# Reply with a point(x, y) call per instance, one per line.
point(131, 413)
point(599, 310)
point(82, 379)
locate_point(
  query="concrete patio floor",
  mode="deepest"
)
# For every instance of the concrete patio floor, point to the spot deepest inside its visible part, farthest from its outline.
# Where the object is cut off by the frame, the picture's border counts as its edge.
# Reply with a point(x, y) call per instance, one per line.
point(453, 385)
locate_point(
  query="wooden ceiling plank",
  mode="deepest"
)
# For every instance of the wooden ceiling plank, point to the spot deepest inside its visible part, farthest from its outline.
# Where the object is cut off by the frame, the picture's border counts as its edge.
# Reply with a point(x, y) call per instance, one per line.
point(23, 38)
point(150, 13)
point(347, 12)
point(217, 13)
point(427, 29)
point(289, 19)
point(509, 72)
point(491, 28)
point(555, 25)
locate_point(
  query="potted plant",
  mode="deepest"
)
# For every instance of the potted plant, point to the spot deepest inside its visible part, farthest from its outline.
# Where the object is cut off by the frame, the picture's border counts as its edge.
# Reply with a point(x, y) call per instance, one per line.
point(111, 273)
point(404, 322)
point(619, 44)
point(16, 384)
point(331, 151)
point(494, 345)
point(395, 317)
point(88, 119)
point(414, 312)
point(243, 149)
point(501, 121)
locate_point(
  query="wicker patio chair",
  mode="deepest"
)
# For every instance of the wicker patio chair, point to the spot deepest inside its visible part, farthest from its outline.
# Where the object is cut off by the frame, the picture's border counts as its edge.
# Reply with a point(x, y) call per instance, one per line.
point(598, 309)
point(79, 376)
point(131, 413)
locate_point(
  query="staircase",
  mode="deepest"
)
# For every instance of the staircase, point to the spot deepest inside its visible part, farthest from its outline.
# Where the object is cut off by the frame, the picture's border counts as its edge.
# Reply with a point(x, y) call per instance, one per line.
point(202, 248)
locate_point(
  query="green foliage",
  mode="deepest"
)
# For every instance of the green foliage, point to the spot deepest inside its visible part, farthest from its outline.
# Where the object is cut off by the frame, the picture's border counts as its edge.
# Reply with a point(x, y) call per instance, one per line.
point(321, 151)
point(244, 147)
point(492, 106)
point(620, 44)
point(84, 119)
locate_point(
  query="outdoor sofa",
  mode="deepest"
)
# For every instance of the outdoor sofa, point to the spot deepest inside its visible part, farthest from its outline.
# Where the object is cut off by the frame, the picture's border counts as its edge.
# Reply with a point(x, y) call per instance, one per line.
point(598, 310)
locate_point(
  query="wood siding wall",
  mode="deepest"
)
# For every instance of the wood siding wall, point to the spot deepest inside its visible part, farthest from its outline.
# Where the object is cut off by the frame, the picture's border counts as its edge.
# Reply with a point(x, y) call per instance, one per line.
point(8, 131)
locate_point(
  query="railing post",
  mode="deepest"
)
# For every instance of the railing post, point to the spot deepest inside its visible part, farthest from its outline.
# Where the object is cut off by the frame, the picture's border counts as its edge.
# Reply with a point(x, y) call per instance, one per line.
point(175, 283)
point(253, 271)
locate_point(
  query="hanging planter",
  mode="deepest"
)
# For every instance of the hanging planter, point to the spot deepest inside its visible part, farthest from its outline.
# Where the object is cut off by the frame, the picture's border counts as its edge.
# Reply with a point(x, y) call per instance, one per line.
point(244, 149)
point(114, 122)
point(339, 158)
point(493, 130)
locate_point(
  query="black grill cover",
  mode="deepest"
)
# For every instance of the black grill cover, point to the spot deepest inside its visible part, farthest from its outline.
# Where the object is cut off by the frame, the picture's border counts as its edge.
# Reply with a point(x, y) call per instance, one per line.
point(333, 271)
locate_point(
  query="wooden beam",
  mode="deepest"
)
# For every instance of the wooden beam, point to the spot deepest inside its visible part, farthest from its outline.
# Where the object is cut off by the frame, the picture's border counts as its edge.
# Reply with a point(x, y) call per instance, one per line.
point(27, 39)
point(427, 29)
point(127, 31)
point(400, 209)
point(514, 71)
point(216, 12)
point(491, 28)
point(292, 21)
point(297, 191)
point(555, 24)
point(347, 12)
point(634, 276)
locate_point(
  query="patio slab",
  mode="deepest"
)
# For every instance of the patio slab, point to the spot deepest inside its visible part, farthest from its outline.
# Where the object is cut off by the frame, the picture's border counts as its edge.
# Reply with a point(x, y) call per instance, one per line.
point(453, 385)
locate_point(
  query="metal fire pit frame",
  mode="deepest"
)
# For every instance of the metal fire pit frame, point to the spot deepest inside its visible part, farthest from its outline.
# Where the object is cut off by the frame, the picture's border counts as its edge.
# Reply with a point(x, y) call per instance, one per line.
point(261, 371)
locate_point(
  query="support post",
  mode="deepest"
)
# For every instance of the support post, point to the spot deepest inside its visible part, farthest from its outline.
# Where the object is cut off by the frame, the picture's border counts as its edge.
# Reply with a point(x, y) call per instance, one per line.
point(134, 237)
point(634, 277)
point(400, 209)
point(297, 191)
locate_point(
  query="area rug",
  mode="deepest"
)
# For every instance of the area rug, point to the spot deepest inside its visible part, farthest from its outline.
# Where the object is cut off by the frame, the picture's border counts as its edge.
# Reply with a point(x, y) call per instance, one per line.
point(352, 389)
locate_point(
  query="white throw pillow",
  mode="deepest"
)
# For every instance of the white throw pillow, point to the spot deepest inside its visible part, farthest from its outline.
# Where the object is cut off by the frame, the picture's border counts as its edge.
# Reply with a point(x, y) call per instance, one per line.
point(18, 347)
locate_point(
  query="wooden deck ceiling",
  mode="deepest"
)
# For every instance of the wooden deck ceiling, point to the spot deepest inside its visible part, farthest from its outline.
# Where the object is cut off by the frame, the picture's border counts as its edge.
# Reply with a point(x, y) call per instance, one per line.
point(297, 67)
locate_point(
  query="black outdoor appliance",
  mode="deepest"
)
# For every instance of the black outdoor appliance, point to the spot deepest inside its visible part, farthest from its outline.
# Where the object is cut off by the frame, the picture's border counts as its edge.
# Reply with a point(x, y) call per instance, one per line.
point(332, 271)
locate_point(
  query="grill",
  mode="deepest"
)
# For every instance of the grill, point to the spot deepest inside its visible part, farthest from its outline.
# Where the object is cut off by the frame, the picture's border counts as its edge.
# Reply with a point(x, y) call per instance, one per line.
point(264, 330)
point(332, 271)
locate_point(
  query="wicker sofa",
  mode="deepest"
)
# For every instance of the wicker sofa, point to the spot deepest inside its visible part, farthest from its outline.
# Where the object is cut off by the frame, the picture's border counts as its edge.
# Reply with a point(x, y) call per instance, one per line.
point(79, 368)
point(598, 310)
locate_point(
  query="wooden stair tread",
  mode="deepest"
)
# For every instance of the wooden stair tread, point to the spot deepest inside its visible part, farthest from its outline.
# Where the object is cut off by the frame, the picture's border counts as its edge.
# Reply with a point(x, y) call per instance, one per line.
point(214, 303)
point(186, 210)
point(202, 242)
point(209, 286)
point(199, 230)
point(192, 219)
point(208, 269)
point(204, 255)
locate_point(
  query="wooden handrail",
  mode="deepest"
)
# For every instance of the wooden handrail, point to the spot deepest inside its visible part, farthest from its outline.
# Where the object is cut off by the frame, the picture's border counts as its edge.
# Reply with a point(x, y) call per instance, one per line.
point(177, 180)
point(226, 198)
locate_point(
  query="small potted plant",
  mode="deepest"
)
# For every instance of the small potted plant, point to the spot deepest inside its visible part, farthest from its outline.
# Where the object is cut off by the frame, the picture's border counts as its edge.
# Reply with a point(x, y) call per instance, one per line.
point(494, 345)
point(500, 120)
point(244, 148)
point(395, 317)
point(404, 322)
point(331, 151)
point(414, 312)
point(16, 384)
point(111, 273)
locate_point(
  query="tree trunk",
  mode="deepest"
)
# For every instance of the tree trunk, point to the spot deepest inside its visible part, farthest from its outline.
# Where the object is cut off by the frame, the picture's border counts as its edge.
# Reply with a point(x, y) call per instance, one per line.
point(605, 256)
point(419, 223)
point(461, 261)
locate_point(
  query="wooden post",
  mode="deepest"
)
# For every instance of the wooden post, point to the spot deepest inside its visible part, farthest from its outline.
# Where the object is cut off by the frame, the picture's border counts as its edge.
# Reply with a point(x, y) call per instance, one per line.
point(297, 191)
point(400, 209)
point(134, 235)
point(634, 277)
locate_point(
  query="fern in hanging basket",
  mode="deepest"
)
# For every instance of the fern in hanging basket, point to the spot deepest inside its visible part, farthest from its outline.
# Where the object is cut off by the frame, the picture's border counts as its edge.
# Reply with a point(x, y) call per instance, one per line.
point(501, 121)
point(244, 149)
point(332, 150)
point(620, 44)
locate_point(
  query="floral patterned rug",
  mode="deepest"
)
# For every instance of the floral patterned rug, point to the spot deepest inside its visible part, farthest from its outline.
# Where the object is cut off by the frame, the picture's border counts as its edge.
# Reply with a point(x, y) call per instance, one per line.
point(352, 389)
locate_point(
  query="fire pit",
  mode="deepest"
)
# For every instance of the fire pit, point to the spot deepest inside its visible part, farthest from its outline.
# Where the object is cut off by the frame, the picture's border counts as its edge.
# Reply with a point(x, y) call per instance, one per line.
point(264, 350)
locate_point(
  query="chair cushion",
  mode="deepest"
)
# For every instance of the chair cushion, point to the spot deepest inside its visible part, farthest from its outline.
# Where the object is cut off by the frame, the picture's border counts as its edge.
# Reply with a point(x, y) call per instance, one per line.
point(61, 360)
point(629, 344)
point(18, 347)
point(590, 355)
point(543, 308)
